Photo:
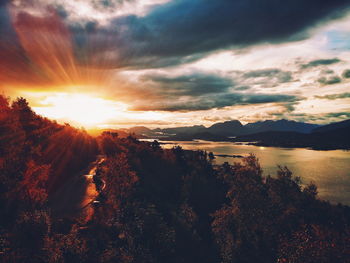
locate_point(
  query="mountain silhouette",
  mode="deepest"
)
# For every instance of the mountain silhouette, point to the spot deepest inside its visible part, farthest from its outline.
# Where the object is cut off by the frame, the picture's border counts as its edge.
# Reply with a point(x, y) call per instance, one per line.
point(333, 136)
point(333, 126)
point(279, 125)
point(279, 133)
point(227, 128)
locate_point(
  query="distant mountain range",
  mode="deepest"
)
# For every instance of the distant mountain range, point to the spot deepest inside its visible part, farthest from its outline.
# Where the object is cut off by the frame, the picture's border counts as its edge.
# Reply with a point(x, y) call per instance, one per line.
point(280, 125)
point(284, 133)
point(227, 128)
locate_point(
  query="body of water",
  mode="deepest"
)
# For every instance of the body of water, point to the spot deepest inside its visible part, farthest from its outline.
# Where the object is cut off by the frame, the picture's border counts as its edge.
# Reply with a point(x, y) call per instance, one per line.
point(330, 170)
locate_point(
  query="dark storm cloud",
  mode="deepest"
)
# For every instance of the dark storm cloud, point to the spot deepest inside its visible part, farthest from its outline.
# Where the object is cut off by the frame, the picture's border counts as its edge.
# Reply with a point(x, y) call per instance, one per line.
point(346, 73)
point(181, 31)
point(200, 91)
point(321, 62)
point(334, 96)
point(216, 101)
point(183, 28)
point(263, 78)
point(329, 80)
point(191, 85)
point(242, 88)
point(277, 74)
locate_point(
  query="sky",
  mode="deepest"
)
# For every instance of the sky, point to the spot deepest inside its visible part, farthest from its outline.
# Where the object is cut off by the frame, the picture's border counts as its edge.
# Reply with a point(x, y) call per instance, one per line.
point(167, 63)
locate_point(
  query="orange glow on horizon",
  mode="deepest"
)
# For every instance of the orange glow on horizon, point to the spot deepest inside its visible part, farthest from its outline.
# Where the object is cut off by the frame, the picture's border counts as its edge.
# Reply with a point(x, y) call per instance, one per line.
point(80, 109)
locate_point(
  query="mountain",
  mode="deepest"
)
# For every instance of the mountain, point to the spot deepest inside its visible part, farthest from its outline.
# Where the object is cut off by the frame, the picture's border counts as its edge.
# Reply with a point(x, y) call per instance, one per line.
point(183, 130)
point(227, 128)
point(333, 126)
point(235, 128)
point(280, 133)
point(140, 130)
point(337, 138)
point(279, 125)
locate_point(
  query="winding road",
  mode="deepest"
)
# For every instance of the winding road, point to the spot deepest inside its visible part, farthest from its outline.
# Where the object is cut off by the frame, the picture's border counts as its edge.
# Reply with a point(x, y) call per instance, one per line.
point(76, 196)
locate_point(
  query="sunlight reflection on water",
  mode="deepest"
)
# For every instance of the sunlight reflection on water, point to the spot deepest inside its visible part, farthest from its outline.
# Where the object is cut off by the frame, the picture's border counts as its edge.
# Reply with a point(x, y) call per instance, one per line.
point(330, 170)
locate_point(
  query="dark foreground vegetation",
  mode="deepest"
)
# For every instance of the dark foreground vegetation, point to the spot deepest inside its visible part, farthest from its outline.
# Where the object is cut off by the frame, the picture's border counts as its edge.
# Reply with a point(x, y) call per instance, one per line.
point(158, 205)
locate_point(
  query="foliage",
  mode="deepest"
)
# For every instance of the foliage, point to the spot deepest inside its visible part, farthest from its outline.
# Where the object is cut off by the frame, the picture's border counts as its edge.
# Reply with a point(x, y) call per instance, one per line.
point(156, 205)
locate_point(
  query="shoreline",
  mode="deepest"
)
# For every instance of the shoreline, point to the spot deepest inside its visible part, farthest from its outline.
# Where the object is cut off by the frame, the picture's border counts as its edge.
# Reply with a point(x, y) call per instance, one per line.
point(163, 141)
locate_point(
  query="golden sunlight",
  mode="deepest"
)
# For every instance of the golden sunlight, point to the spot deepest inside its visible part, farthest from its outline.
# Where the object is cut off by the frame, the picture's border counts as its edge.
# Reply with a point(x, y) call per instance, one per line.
point(79, 109)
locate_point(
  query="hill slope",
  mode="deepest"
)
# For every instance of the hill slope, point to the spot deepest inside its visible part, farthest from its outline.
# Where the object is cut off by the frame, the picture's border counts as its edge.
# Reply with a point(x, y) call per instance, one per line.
point(337, 138)
point(279, 125)
point(333, 126)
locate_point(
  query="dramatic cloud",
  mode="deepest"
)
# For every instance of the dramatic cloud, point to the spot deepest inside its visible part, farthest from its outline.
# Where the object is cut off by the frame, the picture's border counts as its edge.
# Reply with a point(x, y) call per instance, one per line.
point(242, 88)
point(329, 80)
point(280, 75)
point(321, 62)
point(191, 85)
point(248, 59)
point(175, 32)
point(346, 73)
point(268, 77)
point(198, 91)
point(214, 102)
point(335, 96)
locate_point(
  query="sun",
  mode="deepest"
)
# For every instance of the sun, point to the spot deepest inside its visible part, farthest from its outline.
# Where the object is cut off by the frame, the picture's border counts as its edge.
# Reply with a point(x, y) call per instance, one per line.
point(79, 109)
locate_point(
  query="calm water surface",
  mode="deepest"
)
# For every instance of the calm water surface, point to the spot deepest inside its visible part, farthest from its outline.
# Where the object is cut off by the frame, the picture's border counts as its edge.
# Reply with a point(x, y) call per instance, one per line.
point(330, 170)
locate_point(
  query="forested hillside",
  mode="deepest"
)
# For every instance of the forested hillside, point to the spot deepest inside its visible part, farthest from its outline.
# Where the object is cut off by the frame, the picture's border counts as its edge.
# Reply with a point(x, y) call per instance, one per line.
point(156, 205)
